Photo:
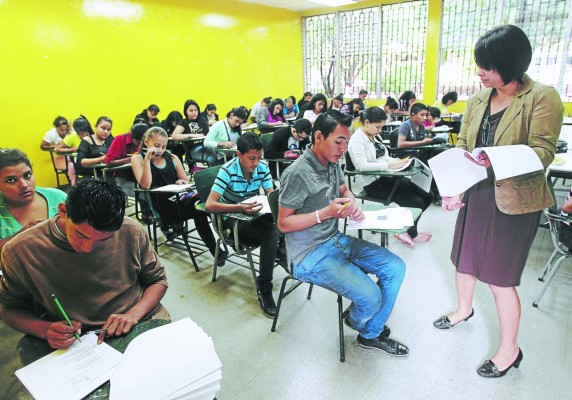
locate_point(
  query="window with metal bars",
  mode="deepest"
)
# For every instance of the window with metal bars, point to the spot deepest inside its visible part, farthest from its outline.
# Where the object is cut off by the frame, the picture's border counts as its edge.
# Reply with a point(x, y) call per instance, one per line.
point(547, 23)
point(378, 49)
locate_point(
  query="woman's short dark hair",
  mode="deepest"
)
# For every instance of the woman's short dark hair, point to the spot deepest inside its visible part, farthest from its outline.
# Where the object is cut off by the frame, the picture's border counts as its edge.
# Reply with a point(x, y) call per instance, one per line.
point(450, 96)
point(210, 107)
point(315, 98)
point(60, 121)
point(327, 122)
point(167, 123)
point(13, 157)
point(248, 141)
point(189, 103)
point(104, 118)
point(81, 124)
point(153, 108)
point(99, 203)
point(391, 103)
point(373, 115)
point(415, 108)
point(434, 112)
point(239, 112)
point(506, 50)
point(138, 130)
point(303, 125)
point(408, 95)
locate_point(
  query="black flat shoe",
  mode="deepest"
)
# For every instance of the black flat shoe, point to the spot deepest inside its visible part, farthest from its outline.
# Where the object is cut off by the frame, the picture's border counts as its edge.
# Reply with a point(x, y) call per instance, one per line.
point(445, 323)
point(490, 370)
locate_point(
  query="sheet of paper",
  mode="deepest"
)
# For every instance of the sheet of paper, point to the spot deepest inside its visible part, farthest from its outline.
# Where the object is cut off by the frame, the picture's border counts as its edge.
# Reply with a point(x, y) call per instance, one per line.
point(181, 355)
point(454, 173)
point(509, 161)
point(73, 373)
point(406, 165)
point(262, 199)
point(422, 179)
point(393, 218)
point(442, 128)
point(173, 188)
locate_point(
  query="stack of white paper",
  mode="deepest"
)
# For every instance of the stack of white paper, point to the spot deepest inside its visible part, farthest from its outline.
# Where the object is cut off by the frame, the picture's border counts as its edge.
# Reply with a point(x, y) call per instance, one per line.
point(395, 218)
point(174, 361)
point(262, 200)
point(174, 188)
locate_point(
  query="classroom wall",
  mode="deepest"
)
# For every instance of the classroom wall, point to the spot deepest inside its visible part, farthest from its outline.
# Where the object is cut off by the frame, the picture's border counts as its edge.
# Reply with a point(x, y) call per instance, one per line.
point(66, 57)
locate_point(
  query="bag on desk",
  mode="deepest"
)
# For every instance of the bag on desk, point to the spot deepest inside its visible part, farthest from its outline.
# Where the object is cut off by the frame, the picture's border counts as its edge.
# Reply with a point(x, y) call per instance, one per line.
point(291, 154)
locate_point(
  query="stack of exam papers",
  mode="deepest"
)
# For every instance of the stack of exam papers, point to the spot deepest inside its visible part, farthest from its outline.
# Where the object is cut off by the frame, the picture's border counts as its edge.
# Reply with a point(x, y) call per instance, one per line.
point(173, 361)
point(394, 218)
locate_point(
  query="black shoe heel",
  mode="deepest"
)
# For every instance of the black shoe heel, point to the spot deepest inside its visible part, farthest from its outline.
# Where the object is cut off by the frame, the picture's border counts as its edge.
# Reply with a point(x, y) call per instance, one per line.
point(490, 370)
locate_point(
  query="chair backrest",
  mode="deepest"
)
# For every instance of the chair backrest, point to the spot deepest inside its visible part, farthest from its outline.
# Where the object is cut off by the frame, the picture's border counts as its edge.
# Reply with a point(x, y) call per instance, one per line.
point(349, 163)
point(204, 180)
point(273, 203)
point(553, 221)
point(266, 138)
point(393, 135)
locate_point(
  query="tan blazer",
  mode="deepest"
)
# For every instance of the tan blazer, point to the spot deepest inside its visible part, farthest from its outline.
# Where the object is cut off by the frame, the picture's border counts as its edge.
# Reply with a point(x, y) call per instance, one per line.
point(534, 118)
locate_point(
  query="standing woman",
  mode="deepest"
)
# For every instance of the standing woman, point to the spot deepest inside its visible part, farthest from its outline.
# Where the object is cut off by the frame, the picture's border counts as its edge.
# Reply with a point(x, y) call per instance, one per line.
point(315, 107)
point(498, 219)
point(157, 167)
point(93, 148)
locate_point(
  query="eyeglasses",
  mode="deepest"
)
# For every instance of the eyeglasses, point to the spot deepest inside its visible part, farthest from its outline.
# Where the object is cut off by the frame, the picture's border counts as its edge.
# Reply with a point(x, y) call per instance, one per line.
point(485, 132)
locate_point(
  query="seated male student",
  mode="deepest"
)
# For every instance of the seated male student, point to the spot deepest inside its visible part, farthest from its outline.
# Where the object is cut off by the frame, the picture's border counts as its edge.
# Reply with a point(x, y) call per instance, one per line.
point(313, 198)
point(240, 179)
point(81, 256)
point(293, 139)
point(412, 133)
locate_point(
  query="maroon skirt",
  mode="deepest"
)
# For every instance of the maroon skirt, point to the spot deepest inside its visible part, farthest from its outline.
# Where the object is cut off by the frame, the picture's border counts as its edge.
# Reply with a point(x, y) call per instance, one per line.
point(488, 244)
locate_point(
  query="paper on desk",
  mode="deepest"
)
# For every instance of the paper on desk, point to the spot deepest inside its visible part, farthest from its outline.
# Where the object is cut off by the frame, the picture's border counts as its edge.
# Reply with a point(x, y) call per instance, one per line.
point(262, 199)
point(442, 128)
point(173, 188)
point(166, 361)
point(454, 173)
point(394, 218)
point(73, 373)
point(406, 165)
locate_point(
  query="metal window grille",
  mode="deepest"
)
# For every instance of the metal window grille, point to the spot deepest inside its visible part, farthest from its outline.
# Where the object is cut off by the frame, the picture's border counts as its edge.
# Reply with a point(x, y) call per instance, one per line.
point(380, 49)
point(547, 23)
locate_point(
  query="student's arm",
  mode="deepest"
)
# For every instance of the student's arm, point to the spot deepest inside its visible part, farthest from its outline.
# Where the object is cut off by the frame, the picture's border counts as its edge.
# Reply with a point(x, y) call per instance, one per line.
point(403, 143)
point(63, 148)
point(120, 324)
point(289, 221)
point(216, 137)
point(357, 152)
point(116, 154)
point(214, 206)
point(277, 145)
point(182, 177)
point(567, 207)
point(27, 226)
point(178, 133)
point(83, 154)
point(142, 169)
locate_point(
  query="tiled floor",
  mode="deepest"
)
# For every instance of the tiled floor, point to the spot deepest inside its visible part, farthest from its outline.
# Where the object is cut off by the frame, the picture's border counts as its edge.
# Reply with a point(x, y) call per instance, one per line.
point(300, 360)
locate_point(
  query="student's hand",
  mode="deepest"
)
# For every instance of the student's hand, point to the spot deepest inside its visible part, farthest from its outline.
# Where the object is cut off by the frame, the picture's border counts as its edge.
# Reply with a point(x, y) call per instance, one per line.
point(228, 145)
point(426, 140)
point(182, 182)
point(251, 208)
point(340, 208)
point(451, 203)
point(150, 154)
point(481, 159)
point(117, 325)
point(61, 336)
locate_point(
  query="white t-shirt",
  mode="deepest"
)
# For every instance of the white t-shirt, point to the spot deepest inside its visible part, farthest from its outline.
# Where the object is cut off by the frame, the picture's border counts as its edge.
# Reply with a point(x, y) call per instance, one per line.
point(52, 136)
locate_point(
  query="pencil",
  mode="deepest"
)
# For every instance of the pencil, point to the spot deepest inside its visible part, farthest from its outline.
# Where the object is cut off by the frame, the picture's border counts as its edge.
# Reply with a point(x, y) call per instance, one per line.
point(344, 206)
point(64, 315)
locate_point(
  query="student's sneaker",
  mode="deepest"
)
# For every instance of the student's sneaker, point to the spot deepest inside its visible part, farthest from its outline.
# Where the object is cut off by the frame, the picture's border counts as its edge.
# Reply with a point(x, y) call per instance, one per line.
point(387, 345)
point(266, 301)
point(222, 256)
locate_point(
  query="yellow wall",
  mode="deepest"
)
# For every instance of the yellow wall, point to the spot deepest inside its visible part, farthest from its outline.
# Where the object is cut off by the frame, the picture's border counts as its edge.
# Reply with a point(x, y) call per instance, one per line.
point(56, 60)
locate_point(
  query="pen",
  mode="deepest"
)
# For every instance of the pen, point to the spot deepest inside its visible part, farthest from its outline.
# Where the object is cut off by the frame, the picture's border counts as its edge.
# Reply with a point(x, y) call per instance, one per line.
point(65, 315)
point(344, 206)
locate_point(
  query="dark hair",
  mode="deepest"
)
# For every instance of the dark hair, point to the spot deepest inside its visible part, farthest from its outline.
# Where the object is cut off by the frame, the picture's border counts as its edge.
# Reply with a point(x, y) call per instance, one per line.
point(13, 157)
point(317, 97)
point(293, 99)
point(303, 125)
point(392, 103)
point(167, 124)
point(81, 124)
point(339, 97)
point(189, 103)
point(408, 95)
point(104, 118)
point(273, 104)
point(248, 141)
point(99, 203)
point(239, 112)
point(60, 121)
point(306, 94)
point(434, 112)
point(506, 50)
point(449, 96)
point(153, 108)
point(415, 108)
point(363, 91)
point(210, 107)
point(350, 105)
point(373, 115)
point(267, 100)
point(138, 130)
point(327, 122)
point(140, 120)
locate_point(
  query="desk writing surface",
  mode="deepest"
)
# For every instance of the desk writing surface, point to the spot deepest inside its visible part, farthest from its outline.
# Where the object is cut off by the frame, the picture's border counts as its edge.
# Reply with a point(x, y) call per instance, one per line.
point(412, 170)
point(377, 206)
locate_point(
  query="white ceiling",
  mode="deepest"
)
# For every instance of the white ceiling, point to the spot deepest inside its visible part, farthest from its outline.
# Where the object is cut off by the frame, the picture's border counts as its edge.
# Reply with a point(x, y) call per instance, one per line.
point(292, 5)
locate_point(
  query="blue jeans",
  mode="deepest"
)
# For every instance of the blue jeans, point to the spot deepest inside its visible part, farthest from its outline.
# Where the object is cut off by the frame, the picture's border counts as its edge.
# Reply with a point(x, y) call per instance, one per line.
point(341, 265)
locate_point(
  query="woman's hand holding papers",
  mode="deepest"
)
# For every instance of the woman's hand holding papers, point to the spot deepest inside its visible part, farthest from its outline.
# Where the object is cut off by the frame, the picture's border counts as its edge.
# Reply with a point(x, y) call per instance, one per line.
point(481, 159)
point(451, 203)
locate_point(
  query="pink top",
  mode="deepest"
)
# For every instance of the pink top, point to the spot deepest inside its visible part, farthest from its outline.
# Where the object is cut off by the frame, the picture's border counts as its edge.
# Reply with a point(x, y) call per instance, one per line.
point(278, 118)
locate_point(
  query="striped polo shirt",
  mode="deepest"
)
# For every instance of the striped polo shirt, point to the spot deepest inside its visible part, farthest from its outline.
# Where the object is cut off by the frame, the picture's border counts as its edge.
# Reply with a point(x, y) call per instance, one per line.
point(233, 187)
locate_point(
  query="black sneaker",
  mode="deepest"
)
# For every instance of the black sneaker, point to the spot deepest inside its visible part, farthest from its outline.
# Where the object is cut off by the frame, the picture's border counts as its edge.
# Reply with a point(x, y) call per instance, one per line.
point(387, 345)
point(384, 333)
point(266, 302)
point(222, 256)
